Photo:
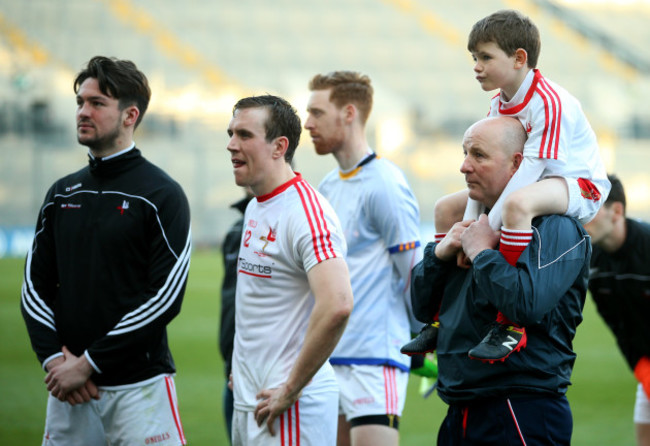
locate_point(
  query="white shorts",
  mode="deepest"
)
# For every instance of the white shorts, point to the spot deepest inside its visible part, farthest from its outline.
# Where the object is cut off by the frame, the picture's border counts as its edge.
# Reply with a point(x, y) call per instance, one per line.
point(641, 407)
point(585, 199)
point(145, 413)
point(371, 390)
point(311, 421)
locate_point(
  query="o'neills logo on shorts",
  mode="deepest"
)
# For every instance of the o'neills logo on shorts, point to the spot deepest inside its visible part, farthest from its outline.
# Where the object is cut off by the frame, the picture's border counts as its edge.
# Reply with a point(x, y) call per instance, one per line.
point(157, 438)
point(70, 206)
point(254, 269)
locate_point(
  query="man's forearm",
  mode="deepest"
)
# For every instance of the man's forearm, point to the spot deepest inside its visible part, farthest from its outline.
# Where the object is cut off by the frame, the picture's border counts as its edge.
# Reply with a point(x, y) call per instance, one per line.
point(323, 333)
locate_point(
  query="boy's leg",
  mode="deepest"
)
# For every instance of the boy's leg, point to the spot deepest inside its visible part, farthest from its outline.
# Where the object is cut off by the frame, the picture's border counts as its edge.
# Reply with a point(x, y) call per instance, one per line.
point(449, 210)
point(425, 342)
point(545, 197)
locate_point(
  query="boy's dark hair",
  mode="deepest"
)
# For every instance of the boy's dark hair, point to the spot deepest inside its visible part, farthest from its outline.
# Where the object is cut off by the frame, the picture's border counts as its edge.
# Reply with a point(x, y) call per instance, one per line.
point(119, 79)
point(347, 87)
point(617, 193)
point(283, 119)
point(510, 30)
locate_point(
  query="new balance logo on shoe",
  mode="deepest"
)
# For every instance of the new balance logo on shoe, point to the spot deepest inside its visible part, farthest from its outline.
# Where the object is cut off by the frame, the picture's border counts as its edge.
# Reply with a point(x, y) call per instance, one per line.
point(510, 343)
point(500, 342)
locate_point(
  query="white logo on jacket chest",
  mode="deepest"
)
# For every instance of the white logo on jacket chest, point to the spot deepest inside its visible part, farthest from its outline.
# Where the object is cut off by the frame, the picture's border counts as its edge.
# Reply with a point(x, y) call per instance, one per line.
point(124, 207)
point(71, 188)
point(70, 206)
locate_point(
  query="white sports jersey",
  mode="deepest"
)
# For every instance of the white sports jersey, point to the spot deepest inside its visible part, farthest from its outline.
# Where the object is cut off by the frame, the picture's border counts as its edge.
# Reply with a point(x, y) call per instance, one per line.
point(559, 133)
point(286, 233)
point(380, 216)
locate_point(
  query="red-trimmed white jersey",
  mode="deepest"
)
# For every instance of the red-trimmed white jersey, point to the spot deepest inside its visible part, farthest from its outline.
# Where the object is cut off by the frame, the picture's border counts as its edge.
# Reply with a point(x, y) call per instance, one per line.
point(560, 135)
point(557, 128)
point(286, 233)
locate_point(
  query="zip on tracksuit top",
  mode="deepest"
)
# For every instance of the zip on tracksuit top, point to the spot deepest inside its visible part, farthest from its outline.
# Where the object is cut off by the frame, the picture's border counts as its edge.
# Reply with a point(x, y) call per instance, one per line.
point(108, 268)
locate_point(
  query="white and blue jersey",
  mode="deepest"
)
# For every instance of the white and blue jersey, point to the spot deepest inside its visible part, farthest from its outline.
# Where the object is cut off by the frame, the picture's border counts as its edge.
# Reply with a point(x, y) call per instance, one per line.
point(380, 218)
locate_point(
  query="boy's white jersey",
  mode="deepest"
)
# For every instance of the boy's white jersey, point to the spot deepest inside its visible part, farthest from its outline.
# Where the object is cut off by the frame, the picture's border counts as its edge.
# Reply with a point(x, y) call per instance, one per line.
point(286, 233)
point(380, 216)
point(560, 143)
point(558, 131)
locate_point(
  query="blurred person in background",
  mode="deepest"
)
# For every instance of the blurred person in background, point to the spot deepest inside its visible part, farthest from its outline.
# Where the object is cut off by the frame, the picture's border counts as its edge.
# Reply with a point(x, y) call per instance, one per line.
point(230, 251)
point(522, 400)
point(380, 219)
point(106, 274)
point(293, 296)
point(619, 282)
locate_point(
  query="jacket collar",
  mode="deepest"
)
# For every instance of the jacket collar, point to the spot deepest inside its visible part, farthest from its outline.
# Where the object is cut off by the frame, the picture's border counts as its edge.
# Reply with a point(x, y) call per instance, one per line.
point(114, 165)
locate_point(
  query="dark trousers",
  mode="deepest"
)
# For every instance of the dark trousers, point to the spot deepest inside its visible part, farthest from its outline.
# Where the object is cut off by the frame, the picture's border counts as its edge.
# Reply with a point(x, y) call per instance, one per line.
point(228, 400)
point(519, 421)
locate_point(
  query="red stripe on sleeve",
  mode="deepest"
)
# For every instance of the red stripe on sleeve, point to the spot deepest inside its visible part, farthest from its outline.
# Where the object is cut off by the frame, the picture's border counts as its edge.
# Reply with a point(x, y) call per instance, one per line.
point(542, 150)
point(558, 119)
point(321, 234)
point(550, 148)
point(317, 210)
point(311, 223)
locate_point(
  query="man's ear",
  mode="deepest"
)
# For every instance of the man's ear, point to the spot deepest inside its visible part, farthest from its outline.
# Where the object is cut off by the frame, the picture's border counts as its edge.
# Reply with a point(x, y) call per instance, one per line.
point(280, 146)
point(131, 114)
point(618, 209)
point(521, 58)
point(350, 112)
point(517, 158)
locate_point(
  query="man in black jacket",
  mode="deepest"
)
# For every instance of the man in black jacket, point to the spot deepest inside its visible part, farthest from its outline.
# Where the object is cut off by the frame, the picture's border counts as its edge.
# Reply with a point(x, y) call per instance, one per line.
point(106, 274)
point(230, 250)
point(619, 282)
point(522, 400)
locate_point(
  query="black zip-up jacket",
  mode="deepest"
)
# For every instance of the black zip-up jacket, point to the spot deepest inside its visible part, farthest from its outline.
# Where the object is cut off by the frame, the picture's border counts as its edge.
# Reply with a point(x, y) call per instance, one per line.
point(620, 285)
point(108, 268)
point(545, 293)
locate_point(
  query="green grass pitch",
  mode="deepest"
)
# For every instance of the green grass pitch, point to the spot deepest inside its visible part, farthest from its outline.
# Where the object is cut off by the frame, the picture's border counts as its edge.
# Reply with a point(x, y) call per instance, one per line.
point(602, 394)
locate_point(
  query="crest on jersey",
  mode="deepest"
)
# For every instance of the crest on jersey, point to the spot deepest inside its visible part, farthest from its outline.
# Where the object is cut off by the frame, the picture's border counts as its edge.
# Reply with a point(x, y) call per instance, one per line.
point(269, 238)
point(588, 190)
